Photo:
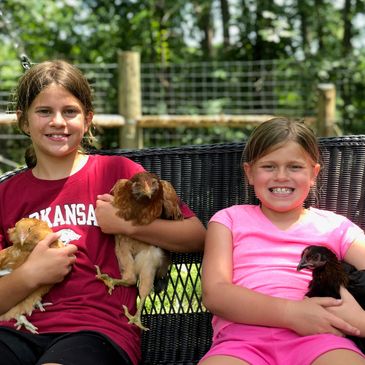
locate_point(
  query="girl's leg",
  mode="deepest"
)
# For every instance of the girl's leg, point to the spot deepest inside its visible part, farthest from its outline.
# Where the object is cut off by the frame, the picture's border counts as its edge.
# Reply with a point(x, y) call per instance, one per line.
point(223, 360)
point(340, 357)
point(8, 356)
point(85, 347)
point(19, 348)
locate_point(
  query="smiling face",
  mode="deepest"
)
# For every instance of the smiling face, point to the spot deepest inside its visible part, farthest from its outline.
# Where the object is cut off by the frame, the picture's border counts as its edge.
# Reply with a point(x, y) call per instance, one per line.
point(56, 122)
point(282, 178)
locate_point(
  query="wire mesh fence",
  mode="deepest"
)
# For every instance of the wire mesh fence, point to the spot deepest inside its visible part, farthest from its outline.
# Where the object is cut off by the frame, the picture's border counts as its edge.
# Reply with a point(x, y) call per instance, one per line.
point(284, 87)
point(263, 87)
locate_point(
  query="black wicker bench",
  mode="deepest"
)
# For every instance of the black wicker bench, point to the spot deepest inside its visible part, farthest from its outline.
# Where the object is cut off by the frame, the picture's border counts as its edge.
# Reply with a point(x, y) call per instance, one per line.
point(210, 178)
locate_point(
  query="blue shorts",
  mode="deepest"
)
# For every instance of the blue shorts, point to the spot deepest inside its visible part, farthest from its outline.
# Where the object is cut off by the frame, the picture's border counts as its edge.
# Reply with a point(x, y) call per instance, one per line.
point(268, 346)
point(84, 347)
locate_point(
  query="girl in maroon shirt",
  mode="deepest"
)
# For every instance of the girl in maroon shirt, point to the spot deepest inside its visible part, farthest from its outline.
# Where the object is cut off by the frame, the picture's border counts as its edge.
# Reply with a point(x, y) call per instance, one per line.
point(68, 189)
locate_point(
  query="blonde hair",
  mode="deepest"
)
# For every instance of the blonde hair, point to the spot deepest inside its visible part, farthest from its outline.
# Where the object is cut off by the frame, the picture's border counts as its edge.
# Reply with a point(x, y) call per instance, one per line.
point(40, 76)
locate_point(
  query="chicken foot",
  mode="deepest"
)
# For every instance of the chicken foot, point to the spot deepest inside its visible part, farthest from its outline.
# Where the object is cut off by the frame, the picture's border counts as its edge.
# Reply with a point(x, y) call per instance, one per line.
point(41, 305)
point(21, 320)
point(136, 319)
point(110, 282)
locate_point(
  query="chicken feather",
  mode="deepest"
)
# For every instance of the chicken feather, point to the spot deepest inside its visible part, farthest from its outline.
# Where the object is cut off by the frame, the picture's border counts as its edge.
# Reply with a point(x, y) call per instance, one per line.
point(24, 236)
point(142, 199)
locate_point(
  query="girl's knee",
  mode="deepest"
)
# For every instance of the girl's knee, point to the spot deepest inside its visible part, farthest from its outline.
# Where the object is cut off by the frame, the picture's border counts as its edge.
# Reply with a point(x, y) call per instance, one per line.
point(340, 357)
point(221, 359)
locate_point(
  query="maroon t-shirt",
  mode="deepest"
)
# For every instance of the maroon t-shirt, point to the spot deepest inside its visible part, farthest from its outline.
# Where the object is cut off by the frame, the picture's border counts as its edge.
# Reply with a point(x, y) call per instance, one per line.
point(80, 302)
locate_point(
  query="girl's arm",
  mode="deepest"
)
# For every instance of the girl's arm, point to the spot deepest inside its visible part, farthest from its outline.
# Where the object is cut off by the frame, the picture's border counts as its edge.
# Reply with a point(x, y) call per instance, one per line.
point(355, 255)
point(44, 265)
point(242, 305)
point(179, 236)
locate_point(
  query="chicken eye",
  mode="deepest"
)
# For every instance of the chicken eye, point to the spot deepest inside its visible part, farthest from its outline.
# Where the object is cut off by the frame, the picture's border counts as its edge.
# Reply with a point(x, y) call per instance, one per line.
point(316, 257)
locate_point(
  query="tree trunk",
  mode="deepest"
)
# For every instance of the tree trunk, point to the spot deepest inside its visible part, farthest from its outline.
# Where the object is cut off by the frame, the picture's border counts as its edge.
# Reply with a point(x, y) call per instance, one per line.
point(347, 28)
point(225, 20)
point(204, 21)
point(303, 17)
point(319, 6)
point(259, 47)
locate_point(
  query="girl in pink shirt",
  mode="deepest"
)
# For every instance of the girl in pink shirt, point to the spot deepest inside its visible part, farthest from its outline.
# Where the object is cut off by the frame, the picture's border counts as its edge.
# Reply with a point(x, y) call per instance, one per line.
point(250, 282)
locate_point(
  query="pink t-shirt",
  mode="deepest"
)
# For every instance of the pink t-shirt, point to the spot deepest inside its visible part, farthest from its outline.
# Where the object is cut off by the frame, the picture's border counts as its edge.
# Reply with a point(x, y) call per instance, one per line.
point(80, 301)
point(265, 258)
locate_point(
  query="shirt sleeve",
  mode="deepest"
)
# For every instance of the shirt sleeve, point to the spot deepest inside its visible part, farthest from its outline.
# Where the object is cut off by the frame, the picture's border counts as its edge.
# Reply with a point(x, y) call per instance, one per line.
point(223, 217)
point(349, 232)
point(186, 211)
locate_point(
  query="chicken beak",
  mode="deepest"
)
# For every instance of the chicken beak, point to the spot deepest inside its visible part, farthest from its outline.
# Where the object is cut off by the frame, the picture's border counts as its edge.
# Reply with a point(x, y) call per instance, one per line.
point(22, 240)
point(302, 264)
point(148, 191)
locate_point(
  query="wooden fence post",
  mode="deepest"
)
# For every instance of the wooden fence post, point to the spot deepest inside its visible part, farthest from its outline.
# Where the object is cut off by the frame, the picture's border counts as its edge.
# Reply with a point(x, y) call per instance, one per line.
point(129, 98)
point(326, 110)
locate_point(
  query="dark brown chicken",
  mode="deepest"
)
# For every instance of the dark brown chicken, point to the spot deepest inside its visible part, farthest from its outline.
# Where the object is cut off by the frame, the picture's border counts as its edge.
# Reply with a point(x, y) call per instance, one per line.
point(329, 274)
point(142, 199)
point(24, 236)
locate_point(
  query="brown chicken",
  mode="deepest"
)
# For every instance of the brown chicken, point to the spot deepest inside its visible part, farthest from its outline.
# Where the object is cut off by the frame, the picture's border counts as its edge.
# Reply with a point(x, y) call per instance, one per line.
point(24, 236)
point(142, 199)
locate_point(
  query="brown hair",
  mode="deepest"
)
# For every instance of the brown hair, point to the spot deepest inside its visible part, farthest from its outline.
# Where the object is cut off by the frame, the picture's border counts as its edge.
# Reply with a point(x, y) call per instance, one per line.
point(273, 133)
point(40, 76)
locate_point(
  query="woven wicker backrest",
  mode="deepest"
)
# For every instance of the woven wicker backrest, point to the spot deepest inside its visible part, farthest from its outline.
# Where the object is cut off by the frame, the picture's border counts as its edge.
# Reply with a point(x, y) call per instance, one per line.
point(209, 178)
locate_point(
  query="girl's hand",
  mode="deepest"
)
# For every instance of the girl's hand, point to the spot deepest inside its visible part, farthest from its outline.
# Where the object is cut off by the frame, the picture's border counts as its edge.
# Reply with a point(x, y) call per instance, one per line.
point(46, 265)
point(311, 316)
point(106, 215)
point(349, 310)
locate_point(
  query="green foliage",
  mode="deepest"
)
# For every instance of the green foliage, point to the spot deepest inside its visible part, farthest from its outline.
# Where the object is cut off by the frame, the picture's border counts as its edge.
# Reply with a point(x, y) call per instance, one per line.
point(171, 30)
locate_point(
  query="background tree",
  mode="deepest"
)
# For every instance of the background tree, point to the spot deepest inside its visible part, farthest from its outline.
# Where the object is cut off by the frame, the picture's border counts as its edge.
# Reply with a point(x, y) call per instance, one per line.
point(224, 5)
